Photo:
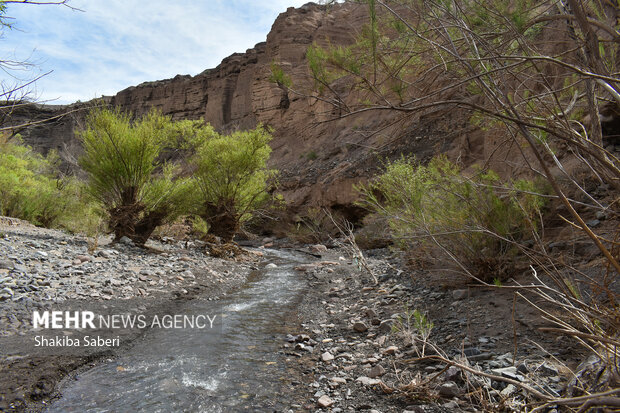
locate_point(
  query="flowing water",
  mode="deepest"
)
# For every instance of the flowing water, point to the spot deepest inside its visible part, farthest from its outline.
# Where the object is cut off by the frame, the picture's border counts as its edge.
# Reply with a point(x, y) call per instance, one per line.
point(231, 368)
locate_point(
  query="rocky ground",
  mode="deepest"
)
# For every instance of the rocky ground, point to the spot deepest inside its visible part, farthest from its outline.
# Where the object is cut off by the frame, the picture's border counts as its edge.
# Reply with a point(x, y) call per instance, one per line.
point(39, 265)
point(352, 345)
point(355, 346)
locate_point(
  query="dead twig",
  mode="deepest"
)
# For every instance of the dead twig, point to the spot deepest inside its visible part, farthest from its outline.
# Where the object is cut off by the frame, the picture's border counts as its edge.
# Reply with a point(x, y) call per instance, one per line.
point(349, 244)
point(585, 402)
point(445, 360)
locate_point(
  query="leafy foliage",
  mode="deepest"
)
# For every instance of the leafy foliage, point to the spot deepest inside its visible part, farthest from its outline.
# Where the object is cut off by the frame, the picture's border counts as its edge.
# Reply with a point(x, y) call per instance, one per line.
point(415, 324)
point(279, 76)
point(31, 189)
point(476, 219)
point(127, 175)
point(232, 179)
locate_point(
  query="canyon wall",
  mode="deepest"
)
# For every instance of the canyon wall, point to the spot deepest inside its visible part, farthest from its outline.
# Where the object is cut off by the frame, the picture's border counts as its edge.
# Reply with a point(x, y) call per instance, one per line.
point(320, 159)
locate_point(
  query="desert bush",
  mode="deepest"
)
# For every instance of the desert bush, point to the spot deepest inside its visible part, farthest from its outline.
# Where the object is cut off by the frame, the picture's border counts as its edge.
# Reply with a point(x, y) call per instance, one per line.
point(415, 325)
point(137, 189)
point(475, 221)
point(81, 213)
point(31, 189)
point(231, 179)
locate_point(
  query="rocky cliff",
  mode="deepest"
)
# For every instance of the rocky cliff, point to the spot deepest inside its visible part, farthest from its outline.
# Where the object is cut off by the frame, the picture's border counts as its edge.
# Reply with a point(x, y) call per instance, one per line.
point(319, 158)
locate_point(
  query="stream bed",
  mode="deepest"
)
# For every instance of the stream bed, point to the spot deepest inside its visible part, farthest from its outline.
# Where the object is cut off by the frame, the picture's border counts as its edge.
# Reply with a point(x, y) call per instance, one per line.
point(232, 367)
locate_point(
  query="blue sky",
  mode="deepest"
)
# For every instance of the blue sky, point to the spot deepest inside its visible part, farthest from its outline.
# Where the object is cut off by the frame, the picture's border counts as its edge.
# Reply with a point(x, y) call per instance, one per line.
point(114, 44)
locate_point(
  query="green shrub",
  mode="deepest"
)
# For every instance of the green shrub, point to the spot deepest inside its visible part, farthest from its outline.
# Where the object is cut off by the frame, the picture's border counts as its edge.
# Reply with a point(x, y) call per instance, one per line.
point(127, 175)
point(81, 214)
point(231, 178)
point(476, 221)
point(31, 189)
point(278, 76)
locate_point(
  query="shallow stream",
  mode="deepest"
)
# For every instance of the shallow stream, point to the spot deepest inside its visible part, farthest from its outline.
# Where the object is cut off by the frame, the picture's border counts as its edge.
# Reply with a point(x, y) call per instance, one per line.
point(234, 367)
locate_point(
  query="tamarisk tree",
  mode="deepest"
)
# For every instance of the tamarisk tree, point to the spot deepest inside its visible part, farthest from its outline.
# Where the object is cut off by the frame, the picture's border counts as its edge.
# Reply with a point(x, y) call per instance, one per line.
point(138, 190)
point(231, 178)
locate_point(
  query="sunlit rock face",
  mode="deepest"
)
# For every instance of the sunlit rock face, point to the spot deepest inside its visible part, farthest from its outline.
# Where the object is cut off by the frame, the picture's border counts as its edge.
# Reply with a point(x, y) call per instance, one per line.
point(320, 159)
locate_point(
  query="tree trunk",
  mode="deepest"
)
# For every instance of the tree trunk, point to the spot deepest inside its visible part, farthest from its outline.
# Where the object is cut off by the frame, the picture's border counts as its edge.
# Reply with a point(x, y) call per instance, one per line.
point(123, 220)
point(145, 227)
point(223, 220)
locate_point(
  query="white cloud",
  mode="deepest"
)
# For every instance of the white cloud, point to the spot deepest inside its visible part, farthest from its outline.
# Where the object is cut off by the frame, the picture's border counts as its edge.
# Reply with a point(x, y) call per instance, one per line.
point(114, 44)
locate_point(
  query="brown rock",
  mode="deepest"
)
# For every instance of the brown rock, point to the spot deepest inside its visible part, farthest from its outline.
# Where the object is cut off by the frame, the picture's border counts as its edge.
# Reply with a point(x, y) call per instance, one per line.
point(318, 248)
point(360, 327)
point(83, 258)
point(391, 350)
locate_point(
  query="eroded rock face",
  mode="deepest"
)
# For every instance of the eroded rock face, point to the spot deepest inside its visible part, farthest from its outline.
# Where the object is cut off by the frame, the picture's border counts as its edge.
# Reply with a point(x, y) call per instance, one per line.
point(319, 161)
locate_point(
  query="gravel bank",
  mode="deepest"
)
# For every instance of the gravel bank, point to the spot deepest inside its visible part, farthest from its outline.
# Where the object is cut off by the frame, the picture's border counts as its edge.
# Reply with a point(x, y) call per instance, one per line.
point(40, 266)
point(351, 345)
